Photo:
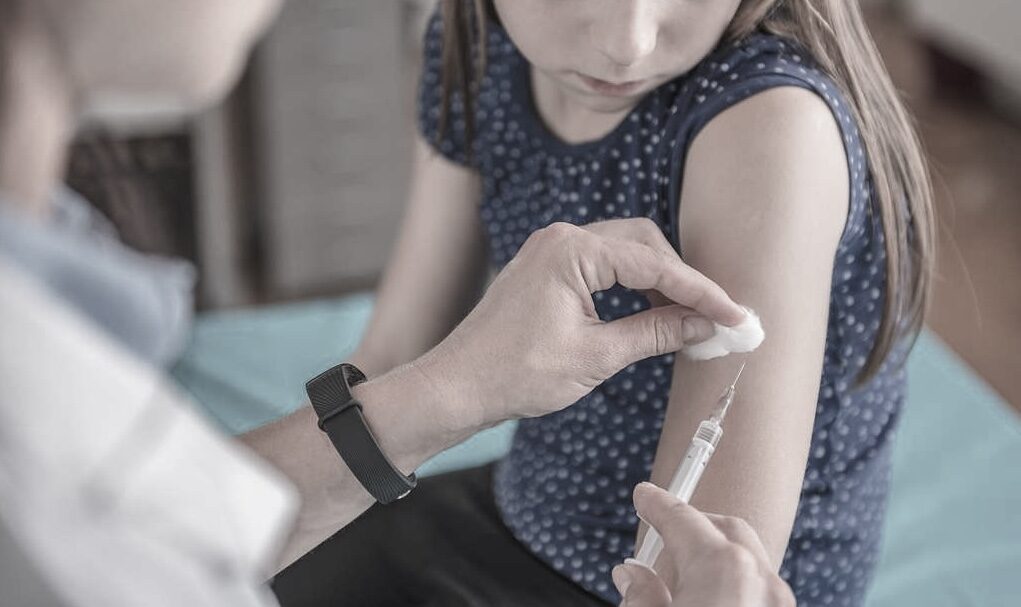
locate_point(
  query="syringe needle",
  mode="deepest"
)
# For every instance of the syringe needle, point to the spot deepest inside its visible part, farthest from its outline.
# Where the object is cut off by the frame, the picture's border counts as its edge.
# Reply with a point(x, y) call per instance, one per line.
point(728, 397)
point(739, 372)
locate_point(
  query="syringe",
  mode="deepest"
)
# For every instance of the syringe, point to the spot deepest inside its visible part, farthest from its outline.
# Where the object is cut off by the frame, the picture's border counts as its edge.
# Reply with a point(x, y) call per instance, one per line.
point(702, 447)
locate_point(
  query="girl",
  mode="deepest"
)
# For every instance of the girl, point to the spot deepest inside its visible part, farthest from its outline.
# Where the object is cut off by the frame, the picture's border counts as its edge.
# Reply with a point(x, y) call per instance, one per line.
point(766, 141)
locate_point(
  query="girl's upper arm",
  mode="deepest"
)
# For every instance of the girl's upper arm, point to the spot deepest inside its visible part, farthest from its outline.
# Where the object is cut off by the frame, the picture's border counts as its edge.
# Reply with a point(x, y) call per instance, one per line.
point(438, 266)
point(763, 207)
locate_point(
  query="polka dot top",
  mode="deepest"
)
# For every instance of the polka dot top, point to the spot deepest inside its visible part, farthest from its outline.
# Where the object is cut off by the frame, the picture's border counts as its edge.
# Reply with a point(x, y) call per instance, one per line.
point(564, 490)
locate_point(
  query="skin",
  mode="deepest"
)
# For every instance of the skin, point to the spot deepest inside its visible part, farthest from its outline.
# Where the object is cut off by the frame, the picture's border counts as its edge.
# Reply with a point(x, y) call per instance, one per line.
point(552, 350)
point(767, 233)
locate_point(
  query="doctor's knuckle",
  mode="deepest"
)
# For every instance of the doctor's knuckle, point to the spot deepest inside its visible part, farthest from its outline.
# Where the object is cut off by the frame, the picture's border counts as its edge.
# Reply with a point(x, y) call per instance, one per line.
point(673, 516)
point(780, 594)
point(740, 559)
point(646, 227)
point(558, 232)
point(733, 526)
point(664, 334)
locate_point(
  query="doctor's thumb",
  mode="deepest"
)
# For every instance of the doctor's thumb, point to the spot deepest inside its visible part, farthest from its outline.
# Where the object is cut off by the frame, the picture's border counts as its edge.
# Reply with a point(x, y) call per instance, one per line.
point(655, 332)
point(694, 330)
point(640, 587)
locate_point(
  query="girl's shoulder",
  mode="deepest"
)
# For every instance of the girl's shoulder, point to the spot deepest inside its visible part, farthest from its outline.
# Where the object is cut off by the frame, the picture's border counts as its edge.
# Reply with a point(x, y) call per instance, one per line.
point(756, 52)
point(743, 69)
point(738, 70)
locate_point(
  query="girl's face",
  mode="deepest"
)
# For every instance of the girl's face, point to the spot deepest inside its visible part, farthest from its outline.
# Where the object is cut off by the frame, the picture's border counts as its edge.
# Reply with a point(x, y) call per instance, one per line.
point(188, 52)
point(606, 54)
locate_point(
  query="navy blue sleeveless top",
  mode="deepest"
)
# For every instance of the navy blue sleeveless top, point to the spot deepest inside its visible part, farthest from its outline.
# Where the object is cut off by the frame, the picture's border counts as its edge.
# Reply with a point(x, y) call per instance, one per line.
point(564, 490)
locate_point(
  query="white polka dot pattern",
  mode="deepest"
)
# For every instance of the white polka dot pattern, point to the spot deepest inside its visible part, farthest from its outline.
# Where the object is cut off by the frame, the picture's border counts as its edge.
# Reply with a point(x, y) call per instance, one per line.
point(564, 490)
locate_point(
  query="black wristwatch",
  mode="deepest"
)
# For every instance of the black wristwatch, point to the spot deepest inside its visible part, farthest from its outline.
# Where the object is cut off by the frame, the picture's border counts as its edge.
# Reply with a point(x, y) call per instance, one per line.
point(340, 417)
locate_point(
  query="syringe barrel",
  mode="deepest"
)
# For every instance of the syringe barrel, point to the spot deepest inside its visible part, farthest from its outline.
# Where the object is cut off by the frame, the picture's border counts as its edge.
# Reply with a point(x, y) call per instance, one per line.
point(692, 466)
point(710, 431)
point(702, 446)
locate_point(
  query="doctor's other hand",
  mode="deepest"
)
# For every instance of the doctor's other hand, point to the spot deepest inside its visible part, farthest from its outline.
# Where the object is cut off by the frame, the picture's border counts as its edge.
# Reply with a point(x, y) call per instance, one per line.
point(534, 344)
point(716, 561)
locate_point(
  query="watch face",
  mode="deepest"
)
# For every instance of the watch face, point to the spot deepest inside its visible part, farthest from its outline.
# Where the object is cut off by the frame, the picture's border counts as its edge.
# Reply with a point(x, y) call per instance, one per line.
point(329, 392)
point(352, 373)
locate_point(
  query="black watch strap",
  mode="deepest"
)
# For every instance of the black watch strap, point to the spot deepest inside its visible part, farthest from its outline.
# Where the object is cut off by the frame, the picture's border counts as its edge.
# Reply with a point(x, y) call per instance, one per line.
point(340, 416)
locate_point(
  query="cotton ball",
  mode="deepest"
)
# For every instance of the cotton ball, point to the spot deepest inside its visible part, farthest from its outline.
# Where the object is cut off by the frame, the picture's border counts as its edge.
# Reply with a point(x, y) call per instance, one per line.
point(744, 337)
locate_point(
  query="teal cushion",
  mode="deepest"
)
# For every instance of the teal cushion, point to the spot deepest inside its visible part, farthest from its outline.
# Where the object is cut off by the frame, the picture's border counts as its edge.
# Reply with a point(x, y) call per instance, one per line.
point(953, 531)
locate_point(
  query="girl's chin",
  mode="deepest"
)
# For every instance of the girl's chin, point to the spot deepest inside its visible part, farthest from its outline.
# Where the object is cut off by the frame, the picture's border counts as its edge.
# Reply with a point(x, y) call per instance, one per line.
point(607, 105)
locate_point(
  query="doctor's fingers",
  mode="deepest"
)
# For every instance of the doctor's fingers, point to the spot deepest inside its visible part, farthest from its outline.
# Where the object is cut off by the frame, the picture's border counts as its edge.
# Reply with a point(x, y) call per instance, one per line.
point(637, 229)
point(606, 261)
point(640, 586)
point(687, 533)
point(653, 332)
point(602, 261)
point(640, 229)
point(776, 592)
point(738, 531)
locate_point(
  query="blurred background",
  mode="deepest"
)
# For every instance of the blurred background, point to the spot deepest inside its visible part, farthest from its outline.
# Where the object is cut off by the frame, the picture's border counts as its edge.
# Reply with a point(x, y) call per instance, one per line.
point(287, 198)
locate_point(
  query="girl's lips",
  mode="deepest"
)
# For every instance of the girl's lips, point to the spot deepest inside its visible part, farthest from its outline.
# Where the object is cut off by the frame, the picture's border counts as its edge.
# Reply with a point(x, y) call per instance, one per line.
point(611, 89)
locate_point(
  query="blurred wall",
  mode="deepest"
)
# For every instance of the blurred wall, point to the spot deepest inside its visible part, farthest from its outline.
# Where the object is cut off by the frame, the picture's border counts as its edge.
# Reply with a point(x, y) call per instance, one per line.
point(333, 133)
point(983, 32)
point(303, 173)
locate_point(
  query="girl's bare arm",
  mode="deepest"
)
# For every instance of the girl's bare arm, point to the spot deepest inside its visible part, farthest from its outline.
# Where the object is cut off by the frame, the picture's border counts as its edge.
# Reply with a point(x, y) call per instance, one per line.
point(763, 207)
point(437, 269)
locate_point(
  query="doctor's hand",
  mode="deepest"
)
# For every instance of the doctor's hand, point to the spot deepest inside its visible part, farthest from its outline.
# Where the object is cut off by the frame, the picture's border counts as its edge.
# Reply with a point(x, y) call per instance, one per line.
point(534, 343)
point(717, 561)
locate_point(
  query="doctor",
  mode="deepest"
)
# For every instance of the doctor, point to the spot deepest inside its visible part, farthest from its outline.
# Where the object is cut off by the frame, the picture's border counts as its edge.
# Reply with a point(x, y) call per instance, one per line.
point(114, 492)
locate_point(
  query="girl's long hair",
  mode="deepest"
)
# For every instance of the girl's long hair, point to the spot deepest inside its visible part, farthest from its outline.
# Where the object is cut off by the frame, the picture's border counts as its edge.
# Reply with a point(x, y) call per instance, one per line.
point(835, 33)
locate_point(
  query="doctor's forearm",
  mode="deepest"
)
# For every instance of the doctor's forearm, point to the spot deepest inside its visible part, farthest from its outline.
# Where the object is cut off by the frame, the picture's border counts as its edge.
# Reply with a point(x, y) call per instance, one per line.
point(330, 495)
point(413, 416)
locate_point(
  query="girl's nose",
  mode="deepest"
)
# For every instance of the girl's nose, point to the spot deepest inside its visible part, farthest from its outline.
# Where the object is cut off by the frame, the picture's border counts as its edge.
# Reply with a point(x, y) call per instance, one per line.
point(626, 33)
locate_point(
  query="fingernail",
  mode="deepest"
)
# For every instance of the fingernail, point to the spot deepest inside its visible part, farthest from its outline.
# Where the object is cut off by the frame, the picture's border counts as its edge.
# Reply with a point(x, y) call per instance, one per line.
point(741, 316)
point(697, 329)
point(639, 496)
point(621, 579)
point(643, 488)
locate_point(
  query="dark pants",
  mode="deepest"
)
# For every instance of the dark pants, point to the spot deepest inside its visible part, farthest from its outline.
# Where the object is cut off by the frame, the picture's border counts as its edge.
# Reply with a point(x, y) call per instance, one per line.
point(443, 545)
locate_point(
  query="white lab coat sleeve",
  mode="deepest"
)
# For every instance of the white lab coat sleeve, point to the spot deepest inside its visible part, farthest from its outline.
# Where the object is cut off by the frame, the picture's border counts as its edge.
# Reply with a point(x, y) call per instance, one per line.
point(120, 492)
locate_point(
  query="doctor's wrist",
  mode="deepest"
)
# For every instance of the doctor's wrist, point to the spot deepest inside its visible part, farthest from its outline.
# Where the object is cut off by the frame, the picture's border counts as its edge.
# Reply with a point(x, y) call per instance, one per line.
point(415, 411)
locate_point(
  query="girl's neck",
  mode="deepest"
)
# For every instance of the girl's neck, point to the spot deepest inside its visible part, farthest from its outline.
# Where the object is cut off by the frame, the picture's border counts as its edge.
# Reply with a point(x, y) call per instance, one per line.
point(566, 118)
point(36, 123)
